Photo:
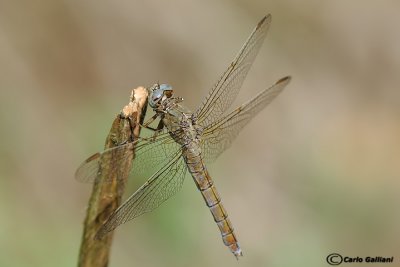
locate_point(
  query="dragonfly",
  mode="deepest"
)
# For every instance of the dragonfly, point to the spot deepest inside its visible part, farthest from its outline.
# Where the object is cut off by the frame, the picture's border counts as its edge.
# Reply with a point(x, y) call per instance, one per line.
point(186, 141)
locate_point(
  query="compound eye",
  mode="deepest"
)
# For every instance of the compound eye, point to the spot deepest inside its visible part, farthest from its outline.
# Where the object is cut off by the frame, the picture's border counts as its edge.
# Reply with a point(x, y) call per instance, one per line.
point(165, 87)
point(156, 97)
point(158, 92)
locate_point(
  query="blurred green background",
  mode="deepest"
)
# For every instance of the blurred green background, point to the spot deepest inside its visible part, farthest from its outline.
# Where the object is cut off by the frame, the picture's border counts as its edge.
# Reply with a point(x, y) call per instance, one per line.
point(317, 172)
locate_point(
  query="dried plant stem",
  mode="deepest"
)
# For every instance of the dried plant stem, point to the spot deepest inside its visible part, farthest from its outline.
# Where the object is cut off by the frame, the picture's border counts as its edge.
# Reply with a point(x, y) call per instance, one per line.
point(106, 196)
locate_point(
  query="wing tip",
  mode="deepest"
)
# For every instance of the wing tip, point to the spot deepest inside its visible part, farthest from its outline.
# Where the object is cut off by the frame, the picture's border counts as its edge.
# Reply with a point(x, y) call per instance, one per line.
point(266, 18)
point(79, 173)
point(101, 233)
point(284, 80)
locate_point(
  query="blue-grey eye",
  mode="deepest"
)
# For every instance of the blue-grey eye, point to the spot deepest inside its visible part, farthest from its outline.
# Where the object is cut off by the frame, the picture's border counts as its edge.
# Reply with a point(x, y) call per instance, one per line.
point(155, 97)
point(157, 92)
point(165, 87)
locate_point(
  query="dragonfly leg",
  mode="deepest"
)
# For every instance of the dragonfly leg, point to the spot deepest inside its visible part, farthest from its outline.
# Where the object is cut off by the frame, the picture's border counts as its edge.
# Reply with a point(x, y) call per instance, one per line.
point(147, 123)
point(158, 130)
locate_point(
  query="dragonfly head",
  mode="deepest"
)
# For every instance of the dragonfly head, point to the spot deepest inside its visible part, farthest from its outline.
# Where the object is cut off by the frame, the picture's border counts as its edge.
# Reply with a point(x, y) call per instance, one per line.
point(159, 92)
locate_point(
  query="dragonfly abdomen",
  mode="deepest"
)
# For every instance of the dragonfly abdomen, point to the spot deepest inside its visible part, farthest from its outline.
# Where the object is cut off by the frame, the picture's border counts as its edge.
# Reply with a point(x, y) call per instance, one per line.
point(220, 215)
point(213, 200)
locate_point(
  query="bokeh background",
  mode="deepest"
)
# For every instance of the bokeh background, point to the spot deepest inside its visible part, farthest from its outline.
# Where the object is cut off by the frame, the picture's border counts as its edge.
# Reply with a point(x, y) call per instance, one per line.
point(317, 172)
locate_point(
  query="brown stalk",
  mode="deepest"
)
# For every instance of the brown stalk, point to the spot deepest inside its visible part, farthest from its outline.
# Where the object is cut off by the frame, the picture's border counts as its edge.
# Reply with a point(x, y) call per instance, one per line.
point(110, 184)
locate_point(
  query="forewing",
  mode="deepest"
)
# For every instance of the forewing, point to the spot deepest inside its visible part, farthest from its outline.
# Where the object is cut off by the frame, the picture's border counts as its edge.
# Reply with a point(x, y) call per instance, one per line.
point(219, 136)
point(150, 155)
point(227, 88)
point(161, 185)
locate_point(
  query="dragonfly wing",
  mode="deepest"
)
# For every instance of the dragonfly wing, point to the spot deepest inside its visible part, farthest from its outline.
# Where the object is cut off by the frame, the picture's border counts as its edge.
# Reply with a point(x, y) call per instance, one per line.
point(218, 136)
point(227, 88)
point(153, 155)
point(149, 156)
point(161, 185)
